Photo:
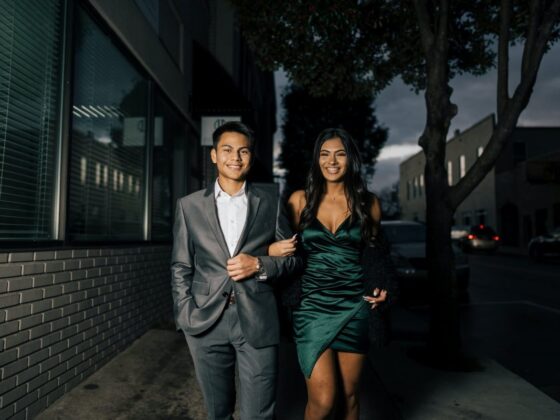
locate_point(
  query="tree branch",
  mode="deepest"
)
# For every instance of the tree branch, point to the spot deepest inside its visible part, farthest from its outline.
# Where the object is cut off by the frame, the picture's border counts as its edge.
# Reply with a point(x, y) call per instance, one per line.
point(442, 29)
point(533, 53)
point(426, 34)
point(534, 16)
point(510, 116)
point(503, 57)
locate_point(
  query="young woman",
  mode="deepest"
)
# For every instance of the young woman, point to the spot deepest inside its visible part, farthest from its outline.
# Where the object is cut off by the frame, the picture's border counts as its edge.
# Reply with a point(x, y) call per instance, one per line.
point(335, 217)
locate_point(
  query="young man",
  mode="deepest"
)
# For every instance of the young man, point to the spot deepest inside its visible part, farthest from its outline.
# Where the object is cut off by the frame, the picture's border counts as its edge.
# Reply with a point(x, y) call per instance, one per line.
point(222, 280)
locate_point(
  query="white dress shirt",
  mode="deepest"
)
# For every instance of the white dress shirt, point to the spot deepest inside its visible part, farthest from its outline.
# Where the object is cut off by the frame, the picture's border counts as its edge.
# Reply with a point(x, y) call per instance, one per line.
point(232, 213)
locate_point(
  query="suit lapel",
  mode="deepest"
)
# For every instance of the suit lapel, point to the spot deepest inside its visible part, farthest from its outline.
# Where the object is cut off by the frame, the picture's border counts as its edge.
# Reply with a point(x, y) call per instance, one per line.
point(213, 220)
point(253, 201)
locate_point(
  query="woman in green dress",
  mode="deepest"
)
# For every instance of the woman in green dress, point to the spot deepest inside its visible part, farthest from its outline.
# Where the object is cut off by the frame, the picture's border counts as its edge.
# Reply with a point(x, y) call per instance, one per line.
point(334, 217)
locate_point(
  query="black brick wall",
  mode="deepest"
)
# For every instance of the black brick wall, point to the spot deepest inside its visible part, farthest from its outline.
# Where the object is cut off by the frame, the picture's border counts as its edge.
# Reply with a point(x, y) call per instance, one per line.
point(64, 314)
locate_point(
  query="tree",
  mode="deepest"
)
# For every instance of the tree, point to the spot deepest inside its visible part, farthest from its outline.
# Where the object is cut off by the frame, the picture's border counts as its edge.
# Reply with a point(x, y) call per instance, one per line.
point(349, 46)
point(306, 116)
point(390, 205)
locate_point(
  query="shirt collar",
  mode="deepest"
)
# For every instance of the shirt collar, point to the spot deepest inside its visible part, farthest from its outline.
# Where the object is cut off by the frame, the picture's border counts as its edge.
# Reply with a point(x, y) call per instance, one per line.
point(219, 192)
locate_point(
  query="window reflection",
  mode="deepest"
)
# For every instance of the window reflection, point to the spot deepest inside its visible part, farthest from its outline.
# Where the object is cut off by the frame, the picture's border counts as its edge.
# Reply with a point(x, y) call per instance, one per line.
point(108, 140)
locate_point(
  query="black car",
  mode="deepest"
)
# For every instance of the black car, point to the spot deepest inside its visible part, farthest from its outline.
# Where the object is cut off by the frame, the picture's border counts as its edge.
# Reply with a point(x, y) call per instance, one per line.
point(476, 238)
point(547, 245)
point(408, 252)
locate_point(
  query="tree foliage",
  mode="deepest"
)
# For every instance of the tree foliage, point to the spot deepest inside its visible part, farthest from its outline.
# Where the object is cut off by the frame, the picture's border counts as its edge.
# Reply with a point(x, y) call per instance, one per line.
point(306, 116)
point(353, 48)
point(390, 206)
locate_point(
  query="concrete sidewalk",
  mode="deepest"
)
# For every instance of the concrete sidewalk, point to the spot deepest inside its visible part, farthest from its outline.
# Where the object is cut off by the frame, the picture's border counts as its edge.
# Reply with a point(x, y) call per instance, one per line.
point(154, 379)
point(493, 392)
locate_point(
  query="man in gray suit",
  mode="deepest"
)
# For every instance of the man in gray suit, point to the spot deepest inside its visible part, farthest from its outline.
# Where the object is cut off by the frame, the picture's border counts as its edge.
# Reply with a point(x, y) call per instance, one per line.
point(222, 280)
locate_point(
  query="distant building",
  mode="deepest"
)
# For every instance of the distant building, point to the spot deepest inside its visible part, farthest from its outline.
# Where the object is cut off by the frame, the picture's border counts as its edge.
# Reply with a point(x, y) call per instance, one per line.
point(100, 121)
point(519, 197)
point(528, 185)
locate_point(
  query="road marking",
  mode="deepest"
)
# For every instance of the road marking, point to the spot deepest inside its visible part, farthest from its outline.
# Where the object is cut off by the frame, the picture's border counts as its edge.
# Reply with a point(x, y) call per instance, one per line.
point(514, 302)
point(517, 270)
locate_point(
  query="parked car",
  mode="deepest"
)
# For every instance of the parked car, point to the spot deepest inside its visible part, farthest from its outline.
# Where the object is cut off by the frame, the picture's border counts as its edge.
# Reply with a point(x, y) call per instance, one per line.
point(458, 232)
point(476, 238)
point(408, 252)
point(547, 245)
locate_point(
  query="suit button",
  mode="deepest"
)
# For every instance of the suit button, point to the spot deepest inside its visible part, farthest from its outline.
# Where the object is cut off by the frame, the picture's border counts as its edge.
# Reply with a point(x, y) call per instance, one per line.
point(225, 294)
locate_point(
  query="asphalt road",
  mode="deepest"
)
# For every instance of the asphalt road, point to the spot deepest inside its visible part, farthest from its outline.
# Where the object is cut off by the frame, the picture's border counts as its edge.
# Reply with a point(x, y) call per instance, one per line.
point(513, 316)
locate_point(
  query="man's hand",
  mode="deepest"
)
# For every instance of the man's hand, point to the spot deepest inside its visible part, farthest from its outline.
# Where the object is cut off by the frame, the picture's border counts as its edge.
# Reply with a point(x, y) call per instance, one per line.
point(284, 248)
point(241, 266)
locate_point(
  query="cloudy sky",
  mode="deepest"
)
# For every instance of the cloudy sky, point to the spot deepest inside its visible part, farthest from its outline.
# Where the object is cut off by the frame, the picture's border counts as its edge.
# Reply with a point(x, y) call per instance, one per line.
point(404, 114)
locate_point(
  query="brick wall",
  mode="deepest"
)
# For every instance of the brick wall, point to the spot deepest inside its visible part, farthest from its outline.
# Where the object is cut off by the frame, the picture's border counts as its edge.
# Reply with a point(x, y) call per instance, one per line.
point(65, 313)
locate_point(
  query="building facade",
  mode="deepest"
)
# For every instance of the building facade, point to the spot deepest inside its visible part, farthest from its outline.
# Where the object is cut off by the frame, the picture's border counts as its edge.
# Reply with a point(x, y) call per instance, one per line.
point(100, 108)
point(520, 195)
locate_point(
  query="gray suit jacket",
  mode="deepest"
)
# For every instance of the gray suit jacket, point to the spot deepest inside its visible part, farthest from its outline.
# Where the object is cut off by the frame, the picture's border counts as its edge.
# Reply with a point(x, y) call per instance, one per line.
point(200, 283)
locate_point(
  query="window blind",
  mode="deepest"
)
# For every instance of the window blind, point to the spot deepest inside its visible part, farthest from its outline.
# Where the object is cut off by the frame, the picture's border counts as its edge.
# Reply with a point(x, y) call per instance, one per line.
point(30, 68)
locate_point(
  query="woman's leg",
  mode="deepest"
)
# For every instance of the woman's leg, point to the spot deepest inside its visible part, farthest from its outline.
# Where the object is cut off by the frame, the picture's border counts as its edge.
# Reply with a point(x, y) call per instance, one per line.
point(321, 387)
point(350, 365)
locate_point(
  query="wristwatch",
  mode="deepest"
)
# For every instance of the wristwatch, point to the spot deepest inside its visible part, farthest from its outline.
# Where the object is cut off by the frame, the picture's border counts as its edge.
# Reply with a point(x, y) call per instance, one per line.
point(261, 273)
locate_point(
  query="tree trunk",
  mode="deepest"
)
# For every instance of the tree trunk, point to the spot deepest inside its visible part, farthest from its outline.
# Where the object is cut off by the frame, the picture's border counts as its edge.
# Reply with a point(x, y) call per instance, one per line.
point(444, 340)
point(444, 343)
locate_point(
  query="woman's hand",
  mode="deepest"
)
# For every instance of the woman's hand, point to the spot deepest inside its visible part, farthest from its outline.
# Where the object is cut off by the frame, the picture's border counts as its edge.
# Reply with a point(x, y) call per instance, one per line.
point(284, 248)
point(379, 296)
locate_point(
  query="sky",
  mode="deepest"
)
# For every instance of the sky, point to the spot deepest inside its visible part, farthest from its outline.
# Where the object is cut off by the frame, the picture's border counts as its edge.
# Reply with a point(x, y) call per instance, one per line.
point(404, 113)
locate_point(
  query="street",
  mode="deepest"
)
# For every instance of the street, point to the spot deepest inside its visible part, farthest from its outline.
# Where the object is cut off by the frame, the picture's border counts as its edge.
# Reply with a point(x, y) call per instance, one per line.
point(512, 316)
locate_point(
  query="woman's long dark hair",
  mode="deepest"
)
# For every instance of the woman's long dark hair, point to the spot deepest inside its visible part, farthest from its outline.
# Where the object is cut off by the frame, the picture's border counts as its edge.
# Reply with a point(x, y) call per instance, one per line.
point(359, 199)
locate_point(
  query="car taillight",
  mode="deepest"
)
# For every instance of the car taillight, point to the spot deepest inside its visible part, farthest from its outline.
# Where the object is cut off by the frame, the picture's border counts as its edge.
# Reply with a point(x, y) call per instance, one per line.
point(496, 238)
point(471, 236)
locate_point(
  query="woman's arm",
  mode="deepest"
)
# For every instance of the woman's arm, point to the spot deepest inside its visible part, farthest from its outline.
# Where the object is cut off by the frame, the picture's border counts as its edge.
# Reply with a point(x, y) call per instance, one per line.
point(296, 203)
point(375, 213)
point(287, 247)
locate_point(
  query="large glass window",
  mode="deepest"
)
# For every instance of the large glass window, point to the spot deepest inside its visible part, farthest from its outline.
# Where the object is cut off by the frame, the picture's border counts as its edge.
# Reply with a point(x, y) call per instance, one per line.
point(30, 69)
point(108, 146)
point(169, 132)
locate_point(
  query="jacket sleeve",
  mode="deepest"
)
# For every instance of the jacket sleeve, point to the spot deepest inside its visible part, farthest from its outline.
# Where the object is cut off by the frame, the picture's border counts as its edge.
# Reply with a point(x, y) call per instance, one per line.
point(181, 262)
point(277, 268)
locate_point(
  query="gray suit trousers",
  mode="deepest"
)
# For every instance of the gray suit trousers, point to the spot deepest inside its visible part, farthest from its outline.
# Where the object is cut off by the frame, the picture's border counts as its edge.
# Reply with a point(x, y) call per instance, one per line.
point(214, 354)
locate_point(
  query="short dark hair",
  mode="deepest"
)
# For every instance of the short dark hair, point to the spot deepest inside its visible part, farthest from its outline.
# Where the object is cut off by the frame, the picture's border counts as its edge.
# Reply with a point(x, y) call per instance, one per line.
point(236, 127)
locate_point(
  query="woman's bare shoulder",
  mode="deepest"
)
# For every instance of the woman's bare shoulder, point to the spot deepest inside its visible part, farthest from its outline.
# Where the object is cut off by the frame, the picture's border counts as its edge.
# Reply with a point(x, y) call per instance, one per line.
point(297, 199)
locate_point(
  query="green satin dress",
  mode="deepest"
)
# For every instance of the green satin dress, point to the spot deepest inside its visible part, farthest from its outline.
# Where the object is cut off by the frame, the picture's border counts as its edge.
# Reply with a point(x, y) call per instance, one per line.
point(332, 313)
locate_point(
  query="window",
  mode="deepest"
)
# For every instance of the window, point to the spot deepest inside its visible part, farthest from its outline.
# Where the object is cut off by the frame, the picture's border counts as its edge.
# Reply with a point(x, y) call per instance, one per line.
point(449, 172)
point(462, 166)
point(30, 68)
point(414, 187)
point(467, 218)
point(421, 188)
point(169, 132)
point(519, 152)
point(408, 190)
point(479, 151)
point(481, 216)
point(108, 140)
